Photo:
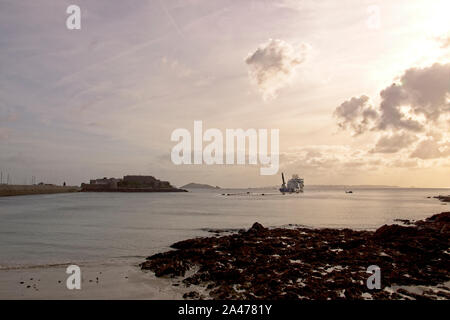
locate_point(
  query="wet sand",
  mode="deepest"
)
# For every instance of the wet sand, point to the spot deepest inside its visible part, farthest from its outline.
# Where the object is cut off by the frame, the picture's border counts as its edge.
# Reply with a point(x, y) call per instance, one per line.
point(114, 280)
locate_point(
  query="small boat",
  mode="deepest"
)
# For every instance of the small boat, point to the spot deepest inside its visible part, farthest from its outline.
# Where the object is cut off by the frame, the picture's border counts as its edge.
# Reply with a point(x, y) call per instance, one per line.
point(294, 185)
point(350, 191)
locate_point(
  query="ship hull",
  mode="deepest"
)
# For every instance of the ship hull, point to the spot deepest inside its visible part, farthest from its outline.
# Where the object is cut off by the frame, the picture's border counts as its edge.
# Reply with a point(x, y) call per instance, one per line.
point(286, 190)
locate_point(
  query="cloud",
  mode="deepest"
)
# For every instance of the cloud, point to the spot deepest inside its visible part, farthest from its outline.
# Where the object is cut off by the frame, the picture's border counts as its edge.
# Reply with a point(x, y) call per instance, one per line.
point(424, 90)
point(430, 149)
point(355, 114)
point(411, 110)
point(420, 99)
point(446, 44)
point(444, 41)
point(326, 160)
point(273, 65)
point(399, 163)
point(393, 143)
point(393, 98)
point(329, 157)
point(428, 90)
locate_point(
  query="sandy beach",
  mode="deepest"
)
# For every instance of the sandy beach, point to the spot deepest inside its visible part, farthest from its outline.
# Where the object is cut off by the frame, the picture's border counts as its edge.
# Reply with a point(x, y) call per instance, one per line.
point(111, 280)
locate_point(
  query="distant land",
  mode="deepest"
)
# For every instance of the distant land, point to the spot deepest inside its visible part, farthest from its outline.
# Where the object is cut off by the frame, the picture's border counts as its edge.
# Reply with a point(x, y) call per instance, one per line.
point(341, 186)
point(193, 185)
point(356, 186)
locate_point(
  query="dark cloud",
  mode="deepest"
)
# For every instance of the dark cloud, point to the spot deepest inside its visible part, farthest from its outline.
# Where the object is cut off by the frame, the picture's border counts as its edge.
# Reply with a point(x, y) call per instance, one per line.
point(355, 114)
point(393, 98)
point(424, 90)
point(428, 90)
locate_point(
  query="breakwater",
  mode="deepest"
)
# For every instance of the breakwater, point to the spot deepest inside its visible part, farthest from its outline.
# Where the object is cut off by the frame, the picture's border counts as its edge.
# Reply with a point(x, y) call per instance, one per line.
point(19, 190)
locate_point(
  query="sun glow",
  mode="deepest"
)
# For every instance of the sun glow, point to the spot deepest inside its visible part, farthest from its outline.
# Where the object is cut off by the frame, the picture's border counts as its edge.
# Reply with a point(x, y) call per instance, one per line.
point(439, 21)
point(433, 23)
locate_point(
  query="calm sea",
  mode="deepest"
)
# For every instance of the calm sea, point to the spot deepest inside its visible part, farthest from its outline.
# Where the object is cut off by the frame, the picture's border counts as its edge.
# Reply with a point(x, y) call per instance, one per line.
point(85, 227)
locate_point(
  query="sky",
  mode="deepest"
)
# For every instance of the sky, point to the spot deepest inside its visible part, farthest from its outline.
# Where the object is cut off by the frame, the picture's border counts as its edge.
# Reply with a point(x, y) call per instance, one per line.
point(360, 90)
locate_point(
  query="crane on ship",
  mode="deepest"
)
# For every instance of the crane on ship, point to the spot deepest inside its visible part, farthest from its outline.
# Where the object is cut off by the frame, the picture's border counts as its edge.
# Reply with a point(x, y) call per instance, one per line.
point(294, 185)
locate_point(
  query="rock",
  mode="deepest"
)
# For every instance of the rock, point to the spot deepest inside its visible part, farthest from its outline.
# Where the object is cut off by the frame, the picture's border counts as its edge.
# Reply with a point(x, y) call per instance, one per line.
point(388, 232)
point(191, 295)
point(441, 217)
point(443, 198)
point(256, 228)
point(404, 221)
point(305, 263)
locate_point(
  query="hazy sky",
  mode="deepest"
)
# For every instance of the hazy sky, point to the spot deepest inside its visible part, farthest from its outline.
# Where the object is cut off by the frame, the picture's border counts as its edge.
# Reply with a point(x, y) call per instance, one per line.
point(357, 99)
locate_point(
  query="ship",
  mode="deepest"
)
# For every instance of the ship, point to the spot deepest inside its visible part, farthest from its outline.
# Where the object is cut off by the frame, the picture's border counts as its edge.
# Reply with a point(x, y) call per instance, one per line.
point(294, 185)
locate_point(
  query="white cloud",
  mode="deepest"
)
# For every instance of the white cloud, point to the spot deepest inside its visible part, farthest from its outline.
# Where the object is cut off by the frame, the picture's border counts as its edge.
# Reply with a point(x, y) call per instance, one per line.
point(326, 160)
point(273, 65)
point(420, 99)
point(417, 106)
point(430, 149)
point(393, 143)
point(444, 41)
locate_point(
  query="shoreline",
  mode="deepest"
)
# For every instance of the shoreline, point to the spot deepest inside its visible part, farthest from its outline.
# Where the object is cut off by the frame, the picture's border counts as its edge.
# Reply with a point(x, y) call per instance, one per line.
point(316, 264)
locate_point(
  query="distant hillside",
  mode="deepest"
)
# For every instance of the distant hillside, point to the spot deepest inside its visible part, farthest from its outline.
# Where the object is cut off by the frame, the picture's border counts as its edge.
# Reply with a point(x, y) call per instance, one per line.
point(193, 185)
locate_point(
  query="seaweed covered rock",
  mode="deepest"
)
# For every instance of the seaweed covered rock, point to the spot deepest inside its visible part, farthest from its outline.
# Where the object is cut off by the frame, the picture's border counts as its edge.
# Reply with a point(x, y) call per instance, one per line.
point(303, 263)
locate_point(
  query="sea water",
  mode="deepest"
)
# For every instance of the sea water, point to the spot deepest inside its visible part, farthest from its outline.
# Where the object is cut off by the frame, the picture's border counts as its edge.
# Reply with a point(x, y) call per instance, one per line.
point(41, 230)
